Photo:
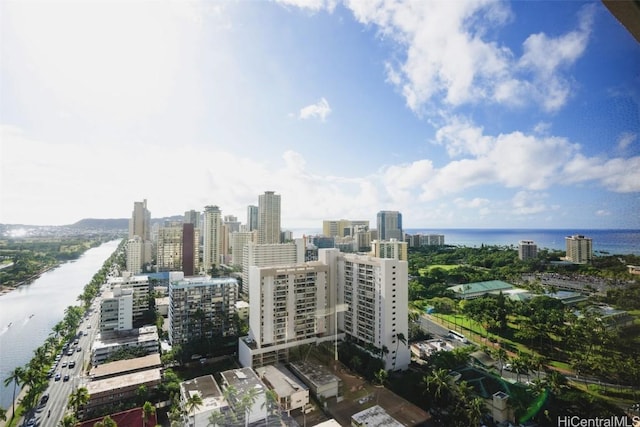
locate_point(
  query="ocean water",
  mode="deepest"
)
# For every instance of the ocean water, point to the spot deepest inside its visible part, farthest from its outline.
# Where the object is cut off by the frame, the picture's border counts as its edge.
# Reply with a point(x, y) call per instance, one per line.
point(614, 242)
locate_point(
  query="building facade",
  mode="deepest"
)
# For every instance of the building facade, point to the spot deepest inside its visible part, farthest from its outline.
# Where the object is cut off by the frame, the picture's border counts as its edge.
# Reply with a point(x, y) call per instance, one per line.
point(116, 310)
point(393, 249)
point(527, 249)
point(342, 227)
point(201, 307)
point(389, 225)
point(269, 218)
point(269, 255)
point(212, 238)
point(252, 218)
point(375, 291)
point(579, 249)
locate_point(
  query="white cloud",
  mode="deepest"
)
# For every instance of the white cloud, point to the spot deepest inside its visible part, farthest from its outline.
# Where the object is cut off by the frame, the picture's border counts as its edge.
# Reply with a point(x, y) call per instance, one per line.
point(626, 139)
point(446, 51)
point(476, 202)
point(528, 203)
point(320, 109)
point(603, 212)
point(311, 5)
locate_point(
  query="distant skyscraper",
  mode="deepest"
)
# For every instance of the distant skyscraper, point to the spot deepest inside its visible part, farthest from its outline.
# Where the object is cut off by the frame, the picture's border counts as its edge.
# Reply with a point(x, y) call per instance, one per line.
point(252, 218)
point(268, 218)
point(140, 222)
point(389, 225)
point(135, 251)
point(192, 217)
point(579, 249)
point(212, 238)
point(178, 248)
point(527, 249)
point(342, 227)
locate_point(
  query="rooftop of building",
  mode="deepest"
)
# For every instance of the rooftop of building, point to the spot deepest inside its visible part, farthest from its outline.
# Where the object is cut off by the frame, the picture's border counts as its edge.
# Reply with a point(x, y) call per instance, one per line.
point(374, 417)
point(316, 374)
point(127, 365)
point(208, 389)
point(283, 382)
point(481, 287)
point(127, 336)
point(202, 281)
point(242, 380)
point(134, 379)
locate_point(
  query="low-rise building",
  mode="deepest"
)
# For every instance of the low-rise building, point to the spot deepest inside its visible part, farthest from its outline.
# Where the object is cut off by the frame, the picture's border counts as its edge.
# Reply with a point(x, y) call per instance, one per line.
point(245, 382)
point(321, 382)
point(375, 416)
point(210, 394)
point(121, 387)
point(107, 343)
point(291, 392)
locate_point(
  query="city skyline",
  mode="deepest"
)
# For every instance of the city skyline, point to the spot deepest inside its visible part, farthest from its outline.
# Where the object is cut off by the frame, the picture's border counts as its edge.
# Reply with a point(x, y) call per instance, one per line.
point(456, 114)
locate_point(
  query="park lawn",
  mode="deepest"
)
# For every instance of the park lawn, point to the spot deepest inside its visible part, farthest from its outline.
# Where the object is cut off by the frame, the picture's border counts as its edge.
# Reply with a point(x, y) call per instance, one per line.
point(445, 267)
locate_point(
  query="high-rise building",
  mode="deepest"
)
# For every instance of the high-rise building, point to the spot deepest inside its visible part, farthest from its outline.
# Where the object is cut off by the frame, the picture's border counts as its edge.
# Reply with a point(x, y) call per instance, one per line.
point(375, 290)
point(252, 218)
point(212, 239)
point(269, 218)
point(178, 248)
point(287, 308)
point(393, 249)
point(579, 249)
point(116, 310)
point(139, 285)
point(342, 227)
point(527, 249)
point(140, 221)
point(238, 241)
point(192, 217)
point(270, 255)
point(201, 307)
point(134, 251)
point(389, 225)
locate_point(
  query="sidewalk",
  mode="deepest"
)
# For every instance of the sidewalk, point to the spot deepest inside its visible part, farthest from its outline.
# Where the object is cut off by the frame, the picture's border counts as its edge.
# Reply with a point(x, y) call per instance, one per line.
point(19, 397)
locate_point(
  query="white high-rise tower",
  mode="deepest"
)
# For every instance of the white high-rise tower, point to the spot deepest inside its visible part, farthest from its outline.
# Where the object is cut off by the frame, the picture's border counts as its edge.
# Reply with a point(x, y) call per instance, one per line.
point(212, 237)
point(268, 218)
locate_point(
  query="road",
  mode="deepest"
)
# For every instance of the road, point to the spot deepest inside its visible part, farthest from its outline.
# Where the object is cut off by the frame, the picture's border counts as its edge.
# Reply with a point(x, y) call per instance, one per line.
point(60, 390)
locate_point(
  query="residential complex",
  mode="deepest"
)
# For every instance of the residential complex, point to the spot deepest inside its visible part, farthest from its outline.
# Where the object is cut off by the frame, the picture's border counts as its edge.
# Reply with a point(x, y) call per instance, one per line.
point(527, 249)
point(116, 309)
point(201, 307)
point(579, 249)
point(393, 249)
point(269, 218)
point(212, 237)
point(178, 248)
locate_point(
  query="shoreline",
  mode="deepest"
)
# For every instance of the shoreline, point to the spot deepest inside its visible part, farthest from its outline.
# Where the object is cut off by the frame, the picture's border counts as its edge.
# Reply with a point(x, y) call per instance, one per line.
point(21, 394)
point(8, 289)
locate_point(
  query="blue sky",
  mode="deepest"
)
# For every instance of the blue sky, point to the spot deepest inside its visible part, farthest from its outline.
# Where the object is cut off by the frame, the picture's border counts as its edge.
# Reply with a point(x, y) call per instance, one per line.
point(457, 114)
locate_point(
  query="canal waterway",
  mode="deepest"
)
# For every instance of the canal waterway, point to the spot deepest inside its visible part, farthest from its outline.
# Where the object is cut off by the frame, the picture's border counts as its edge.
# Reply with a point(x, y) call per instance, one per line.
point(29, 313)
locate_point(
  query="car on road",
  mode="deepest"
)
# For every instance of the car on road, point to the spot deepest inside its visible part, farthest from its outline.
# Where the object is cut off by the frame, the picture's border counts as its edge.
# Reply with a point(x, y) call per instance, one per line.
point(79, 349)
point(64, 365)
point(31, 422)
point(508, 367)
point(45, 398)
point(57, 377)
point(66, 378)
point(72, 364)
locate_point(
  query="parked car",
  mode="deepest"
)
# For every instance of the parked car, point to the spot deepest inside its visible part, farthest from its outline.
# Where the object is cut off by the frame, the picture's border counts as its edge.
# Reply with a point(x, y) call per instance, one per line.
point(508, 367)
point(45, 398)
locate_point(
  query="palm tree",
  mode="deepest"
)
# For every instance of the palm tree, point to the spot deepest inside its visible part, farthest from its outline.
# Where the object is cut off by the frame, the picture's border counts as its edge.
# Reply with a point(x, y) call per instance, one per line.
point(400, 339)
point(147, 411)
point(193, 402)
point(68, 421)
point(77, 399)
point(381, 376)
point(437, 384)
point(3, 414)
point(216, 419)
point(14, 377)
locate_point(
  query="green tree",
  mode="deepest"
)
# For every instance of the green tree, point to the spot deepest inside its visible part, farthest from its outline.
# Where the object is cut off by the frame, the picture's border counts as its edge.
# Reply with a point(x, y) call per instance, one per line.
point(106, 422)
point(77, 399)
point(400, 338)
point(381, 376)
point(14, 377)
point(147, 411)
point(68, 421)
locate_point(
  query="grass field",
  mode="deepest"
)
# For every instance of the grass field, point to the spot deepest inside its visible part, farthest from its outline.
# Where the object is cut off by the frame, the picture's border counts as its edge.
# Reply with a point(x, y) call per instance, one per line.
point(445, 267)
